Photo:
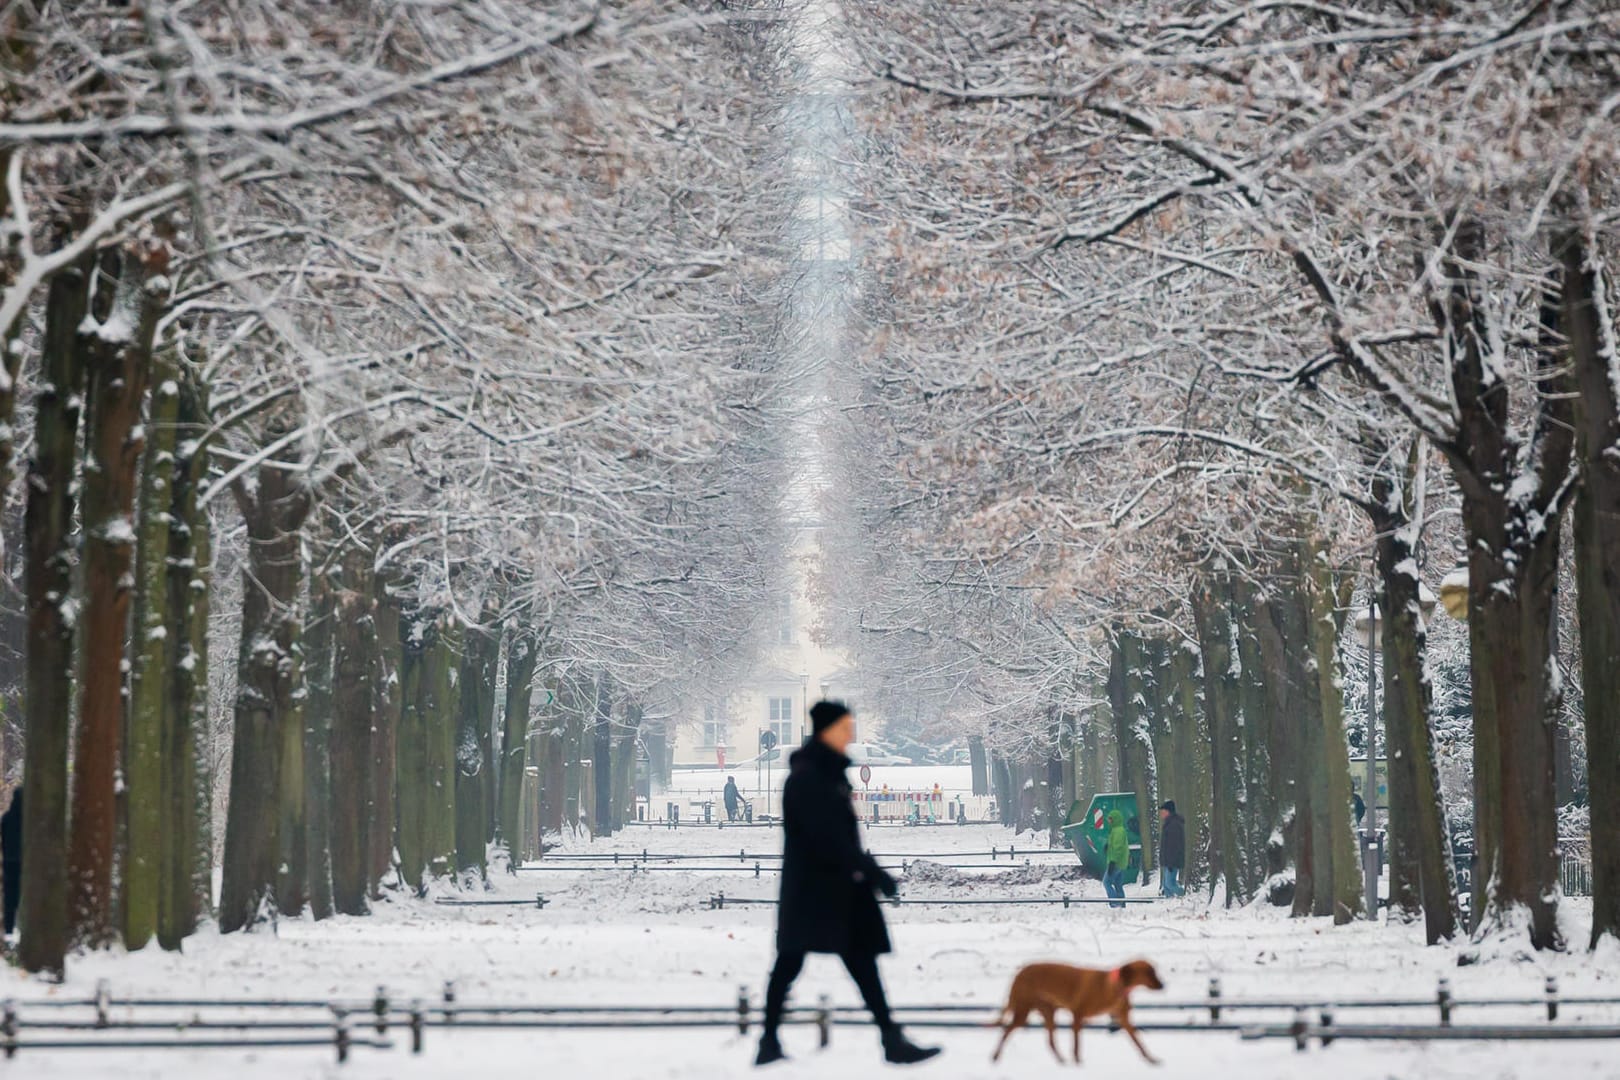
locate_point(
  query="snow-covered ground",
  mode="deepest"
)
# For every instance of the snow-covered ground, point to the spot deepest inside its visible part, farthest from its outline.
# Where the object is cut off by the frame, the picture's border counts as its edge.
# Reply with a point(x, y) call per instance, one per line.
point(651, 938)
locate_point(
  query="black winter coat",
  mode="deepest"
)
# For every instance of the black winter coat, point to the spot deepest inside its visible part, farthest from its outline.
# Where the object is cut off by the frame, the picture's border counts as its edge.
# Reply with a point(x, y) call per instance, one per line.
point(1173, 842)
point(828, 883)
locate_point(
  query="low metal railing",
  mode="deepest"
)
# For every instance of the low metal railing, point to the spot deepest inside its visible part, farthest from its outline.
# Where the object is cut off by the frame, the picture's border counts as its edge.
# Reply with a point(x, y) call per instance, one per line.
point(345, 1024)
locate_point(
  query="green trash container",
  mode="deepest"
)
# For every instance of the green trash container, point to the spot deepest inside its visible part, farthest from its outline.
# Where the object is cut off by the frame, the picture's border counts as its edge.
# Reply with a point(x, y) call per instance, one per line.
point(1087, 831)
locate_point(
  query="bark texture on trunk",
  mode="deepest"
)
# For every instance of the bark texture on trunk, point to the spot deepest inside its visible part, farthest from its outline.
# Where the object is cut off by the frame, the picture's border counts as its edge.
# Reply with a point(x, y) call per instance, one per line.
point(1229, 853)
point(186, 851)
point(474, 766)
point(1512, 525)
point(48, 704)
point(602, 758)
point(387, 711)
point(269, 666)
point(354, 701)
point(142, 878)
point(319, 645)
point(1328, 596)
point(117, 360)
point(1595, 356)
point(1421, 872)
point(521, 657)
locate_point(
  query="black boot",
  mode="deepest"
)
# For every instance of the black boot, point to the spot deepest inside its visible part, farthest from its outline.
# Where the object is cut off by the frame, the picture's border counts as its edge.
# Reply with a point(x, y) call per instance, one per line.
point(899, 1050)
point(770, 1049)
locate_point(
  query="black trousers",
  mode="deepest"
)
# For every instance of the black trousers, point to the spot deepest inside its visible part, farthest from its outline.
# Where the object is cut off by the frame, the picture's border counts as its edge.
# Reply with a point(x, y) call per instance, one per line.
point(13, 892)
point(862, 967)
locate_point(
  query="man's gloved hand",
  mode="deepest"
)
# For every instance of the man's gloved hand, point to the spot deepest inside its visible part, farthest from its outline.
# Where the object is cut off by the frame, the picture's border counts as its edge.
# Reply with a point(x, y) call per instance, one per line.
point(884, 882)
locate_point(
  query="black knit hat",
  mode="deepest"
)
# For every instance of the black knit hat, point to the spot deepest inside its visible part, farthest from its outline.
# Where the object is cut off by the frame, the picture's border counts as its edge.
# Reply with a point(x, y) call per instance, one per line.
point(824, 714)
point(1170, 806)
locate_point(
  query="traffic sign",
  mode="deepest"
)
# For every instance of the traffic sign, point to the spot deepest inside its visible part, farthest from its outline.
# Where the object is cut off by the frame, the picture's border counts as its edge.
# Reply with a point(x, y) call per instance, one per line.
point(767, 740)
point(866, 774)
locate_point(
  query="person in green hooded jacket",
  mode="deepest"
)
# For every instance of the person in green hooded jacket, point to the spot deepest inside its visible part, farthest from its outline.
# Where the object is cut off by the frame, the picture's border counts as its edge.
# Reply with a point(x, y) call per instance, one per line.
point(1117, 851)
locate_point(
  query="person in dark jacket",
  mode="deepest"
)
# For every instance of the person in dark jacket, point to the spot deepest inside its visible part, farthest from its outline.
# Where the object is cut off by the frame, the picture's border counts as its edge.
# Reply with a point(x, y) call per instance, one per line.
point(1172, 848)
point(11, 857)
point(828, 902)
point(732, 797)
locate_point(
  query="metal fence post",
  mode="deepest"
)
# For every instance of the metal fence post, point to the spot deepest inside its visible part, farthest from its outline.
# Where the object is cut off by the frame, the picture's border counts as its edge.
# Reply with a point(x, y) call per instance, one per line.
point(8, 1029)
point(340, 1034)
point(1326, 1032)
point(1298, 1030)
point(1552, 997)
point(1442, 997)
point(824, 1020)
point(417, 1024)
point(742, 1010)
point(449, 1001)
point(103, 1002)
point(379, 1009)
point(1214, 998)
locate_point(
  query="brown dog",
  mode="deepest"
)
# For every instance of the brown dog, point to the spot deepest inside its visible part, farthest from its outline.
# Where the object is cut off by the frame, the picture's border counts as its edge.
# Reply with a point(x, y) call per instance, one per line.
point(1084, 992)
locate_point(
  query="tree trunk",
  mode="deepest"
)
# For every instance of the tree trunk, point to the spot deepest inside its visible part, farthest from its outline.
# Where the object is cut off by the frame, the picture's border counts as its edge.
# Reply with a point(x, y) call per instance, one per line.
point(319, 647)
point(411, 782)
point(145, 797)
point(1328, 597)
point(521, 656)
point(438, 705)
point(1595, 356)
point(553, 774)
point(1269, 743)
point(978, 765)
point(602, 759)
point(355, 699)
point(474, 767)
point(624, 767)
point(48, 703)
point(1421, 874)
point(268, 677)
point(1130, 684)
point(117, 363)
point(1512, 529)
point(1293, 730)
point(386, 712)
point(186, 851)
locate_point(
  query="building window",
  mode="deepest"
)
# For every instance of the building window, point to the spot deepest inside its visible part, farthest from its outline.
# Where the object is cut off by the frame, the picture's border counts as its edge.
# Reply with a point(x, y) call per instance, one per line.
point(781, 720)
point(714, 726)
point(784, 621)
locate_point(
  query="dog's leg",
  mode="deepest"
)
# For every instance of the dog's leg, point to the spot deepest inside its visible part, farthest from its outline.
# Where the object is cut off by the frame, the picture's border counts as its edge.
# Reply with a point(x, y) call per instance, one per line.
point(1016, 1020)
point(1079, 1021)
point(1049, 1016)
point(1124, 1018)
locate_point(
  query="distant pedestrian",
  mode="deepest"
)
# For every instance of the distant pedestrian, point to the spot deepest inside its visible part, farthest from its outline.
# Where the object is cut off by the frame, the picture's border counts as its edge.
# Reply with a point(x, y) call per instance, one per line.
point(1359, 806)
point(11, 840)
point(1117, 852)
point(828, 902)
point(733, 798)
point(1172, 848)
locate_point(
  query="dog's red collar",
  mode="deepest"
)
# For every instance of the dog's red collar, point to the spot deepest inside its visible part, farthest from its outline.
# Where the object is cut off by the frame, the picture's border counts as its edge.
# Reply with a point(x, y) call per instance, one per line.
point(1115, 977)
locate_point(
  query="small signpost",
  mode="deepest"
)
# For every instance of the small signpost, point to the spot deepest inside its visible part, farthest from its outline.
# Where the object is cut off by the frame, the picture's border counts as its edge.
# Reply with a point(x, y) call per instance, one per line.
point(866, 775)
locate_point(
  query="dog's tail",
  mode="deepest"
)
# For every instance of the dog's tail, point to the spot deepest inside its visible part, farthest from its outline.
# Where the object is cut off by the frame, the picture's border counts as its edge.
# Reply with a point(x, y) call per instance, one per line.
point(1003, 1016)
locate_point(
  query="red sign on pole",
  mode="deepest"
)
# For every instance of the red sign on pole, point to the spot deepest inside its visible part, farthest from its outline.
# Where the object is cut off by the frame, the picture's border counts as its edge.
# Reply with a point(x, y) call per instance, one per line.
point(866, 774)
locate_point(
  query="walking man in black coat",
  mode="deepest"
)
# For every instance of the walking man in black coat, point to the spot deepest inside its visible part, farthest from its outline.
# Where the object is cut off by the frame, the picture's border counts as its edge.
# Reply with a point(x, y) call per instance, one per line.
point(11, 857)
point(829, 884)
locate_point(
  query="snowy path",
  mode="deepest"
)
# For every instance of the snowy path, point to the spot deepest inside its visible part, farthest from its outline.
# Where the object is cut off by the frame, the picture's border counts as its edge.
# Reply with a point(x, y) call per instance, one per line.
point(651, 938)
